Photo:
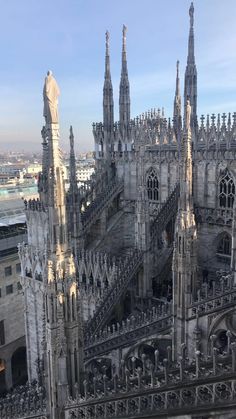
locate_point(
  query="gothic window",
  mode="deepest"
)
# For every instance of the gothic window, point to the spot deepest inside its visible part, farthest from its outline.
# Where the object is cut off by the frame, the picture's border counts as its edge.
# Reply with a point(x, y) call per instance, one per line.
point(91, 279)
point(83, 278)
point(152, 186)
point(226, 191)
point(120, 146)
point(224, 245)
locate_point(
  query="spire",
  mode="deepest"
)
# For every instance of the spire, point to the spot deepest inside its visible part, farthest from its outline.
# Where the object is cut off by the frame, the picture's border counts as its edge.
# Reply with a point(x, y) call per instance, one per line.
point(108, 103)
point(190, 87)
point(124, 58)
point(177, 101)
point(107, 59)
point(73, 180)
point(55, 197)
point(191, 57)
point(185, 251)
point(124, 100)
point(73, 199)
point(186, 200)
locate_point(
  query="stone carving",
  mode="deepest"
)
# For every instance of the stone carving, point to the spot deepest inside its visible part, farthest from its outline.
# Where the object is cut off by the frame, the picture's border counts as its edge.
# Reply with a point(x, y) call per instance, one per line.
point(50, 96)
point(191, 14)
point(188, 115)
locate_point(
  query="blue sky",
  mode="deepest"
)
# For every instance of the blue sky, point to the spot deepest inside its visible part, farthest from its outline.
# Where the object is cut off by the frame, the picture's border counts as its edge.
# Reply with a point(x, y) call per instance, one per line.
point(67, 36)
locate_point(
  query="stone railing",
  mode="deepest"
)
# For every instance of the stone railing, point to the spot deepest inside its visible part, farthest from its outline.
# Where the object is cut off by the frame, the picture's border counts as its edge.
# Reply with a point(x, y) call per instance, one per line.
point(221, 294)
point(221, 216)
point(94, 210)
point(24, 402)
point(136, 327)
point(114, 292)
point(160, 389)
point(34, 205)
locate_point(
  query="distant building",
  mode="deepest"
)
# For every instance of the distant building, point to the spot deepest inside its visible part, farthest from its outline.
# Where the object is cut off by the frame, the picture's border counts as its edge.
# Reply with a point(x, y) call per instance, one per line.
point(84, 172)
point(12, 330)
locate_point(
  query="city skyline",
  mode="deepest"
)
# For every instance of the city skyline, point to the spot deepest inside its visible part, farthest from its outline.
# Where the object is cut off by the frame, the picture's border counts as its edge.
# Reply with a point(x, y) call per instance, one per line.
point(71, 42)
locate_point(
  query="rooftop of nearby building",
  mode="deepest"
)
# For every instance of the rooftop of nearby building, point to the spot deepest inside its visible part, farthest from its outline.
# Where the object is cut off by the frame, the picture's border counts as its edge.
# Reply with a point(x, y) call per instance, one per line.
point(12, 203)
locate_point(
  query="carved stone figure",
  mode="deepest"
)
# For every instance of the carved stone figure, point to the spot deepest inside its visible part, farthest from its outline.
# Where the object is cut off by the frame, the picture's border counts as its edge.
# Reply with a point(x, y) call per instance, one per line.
point(188, 114)
point(50, 96)
point(191, 14)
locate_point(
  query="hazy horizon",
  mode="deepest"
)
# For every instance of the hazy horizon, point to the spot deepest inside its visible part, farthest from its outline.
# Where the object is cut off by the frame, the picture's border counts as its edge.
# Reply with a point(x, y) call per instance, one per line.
point(69, 39)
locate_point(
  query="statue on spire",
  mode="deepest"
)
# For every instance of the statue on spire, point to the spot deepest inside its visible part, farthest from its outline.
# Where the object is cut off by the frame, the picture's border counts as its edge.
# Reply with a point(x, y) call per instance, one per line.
point(107, 40)
point(50, 96)
point(177, 68)
point(188, 115)
point(191, 14)
point(124, 36)
point(71, 136)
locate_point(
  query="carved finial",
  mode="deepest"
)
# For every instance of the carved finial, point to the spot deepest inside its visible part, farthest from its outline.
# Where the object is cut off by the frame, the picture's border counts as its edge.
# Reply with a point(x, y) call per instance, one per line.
point(191, 14)
point(107, 42)
point(71, 137)
point(71, 133)
point(177, 68)
point(177, 91)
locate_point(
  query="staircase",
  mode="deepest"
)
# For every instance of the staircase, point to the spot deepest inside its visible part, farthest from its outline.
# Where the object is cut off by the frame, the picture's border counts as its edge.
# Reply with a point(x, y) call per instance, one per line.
point(166, 213)
point(114, 293)
point(132, 263)
point(95, 209)
point(119, 237)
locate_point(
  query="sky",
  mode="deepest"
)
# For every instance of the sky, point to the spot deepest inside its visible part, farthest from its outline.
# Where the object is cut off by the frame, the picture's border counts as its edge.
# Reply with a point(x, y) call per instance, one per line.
point(68, 37)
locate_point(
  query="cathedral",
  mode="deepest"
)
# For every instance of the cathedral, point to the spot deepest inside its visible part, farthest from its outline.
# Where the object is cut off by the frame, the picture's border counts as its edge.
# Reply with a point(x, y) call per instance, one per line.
point(129, 280)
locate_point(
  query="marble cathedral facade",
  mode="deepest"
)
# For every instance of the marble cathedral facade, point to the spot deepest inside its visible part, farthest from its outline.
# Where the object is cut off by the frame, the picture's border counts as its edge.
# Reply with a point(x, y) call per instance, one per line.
point(129, 280)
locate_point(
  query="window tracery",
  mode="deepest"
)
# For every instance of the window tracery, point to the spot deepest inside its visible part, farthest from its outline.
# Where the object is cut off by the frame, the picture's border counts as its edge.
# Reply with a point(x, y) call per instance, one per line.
point(152, 186)
point(224, 245)
point(226, 191)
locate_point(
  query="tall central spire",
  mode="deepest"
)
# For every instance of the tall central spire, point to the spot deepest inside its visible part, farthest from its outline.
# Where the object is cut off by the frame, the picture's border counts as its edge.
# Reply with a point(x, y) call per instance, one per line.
point(191, 57)
point(124, 100)
point(190, 87)
point(108, 103)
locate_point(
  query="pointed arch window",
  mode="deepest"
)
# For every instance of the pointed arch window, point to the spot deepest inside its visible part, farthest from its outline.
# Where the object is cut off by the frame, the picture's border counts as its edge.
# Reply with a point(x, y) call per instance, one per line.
point(226, 191)
point(119, 146)
point(152, 186)
point(224, 245)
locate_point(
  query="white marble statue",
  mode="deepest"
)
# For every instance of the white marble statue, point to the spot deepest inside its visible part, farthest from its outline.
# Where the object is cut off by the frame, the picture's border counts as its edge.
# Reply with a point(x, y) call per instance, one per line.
point(50, 96)
point(188, 114)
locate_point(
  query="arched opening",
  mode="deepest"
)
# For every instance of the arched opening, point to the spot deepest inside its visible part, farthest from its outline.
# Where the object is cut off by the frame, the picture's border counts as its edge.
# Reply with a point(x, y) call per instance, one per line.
point(226, 191)
point(221, 341)
point(98, 368)
point(91, 281)
point(2, 376)
point(19, 367)
point(152, 185)
point(120, 146)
